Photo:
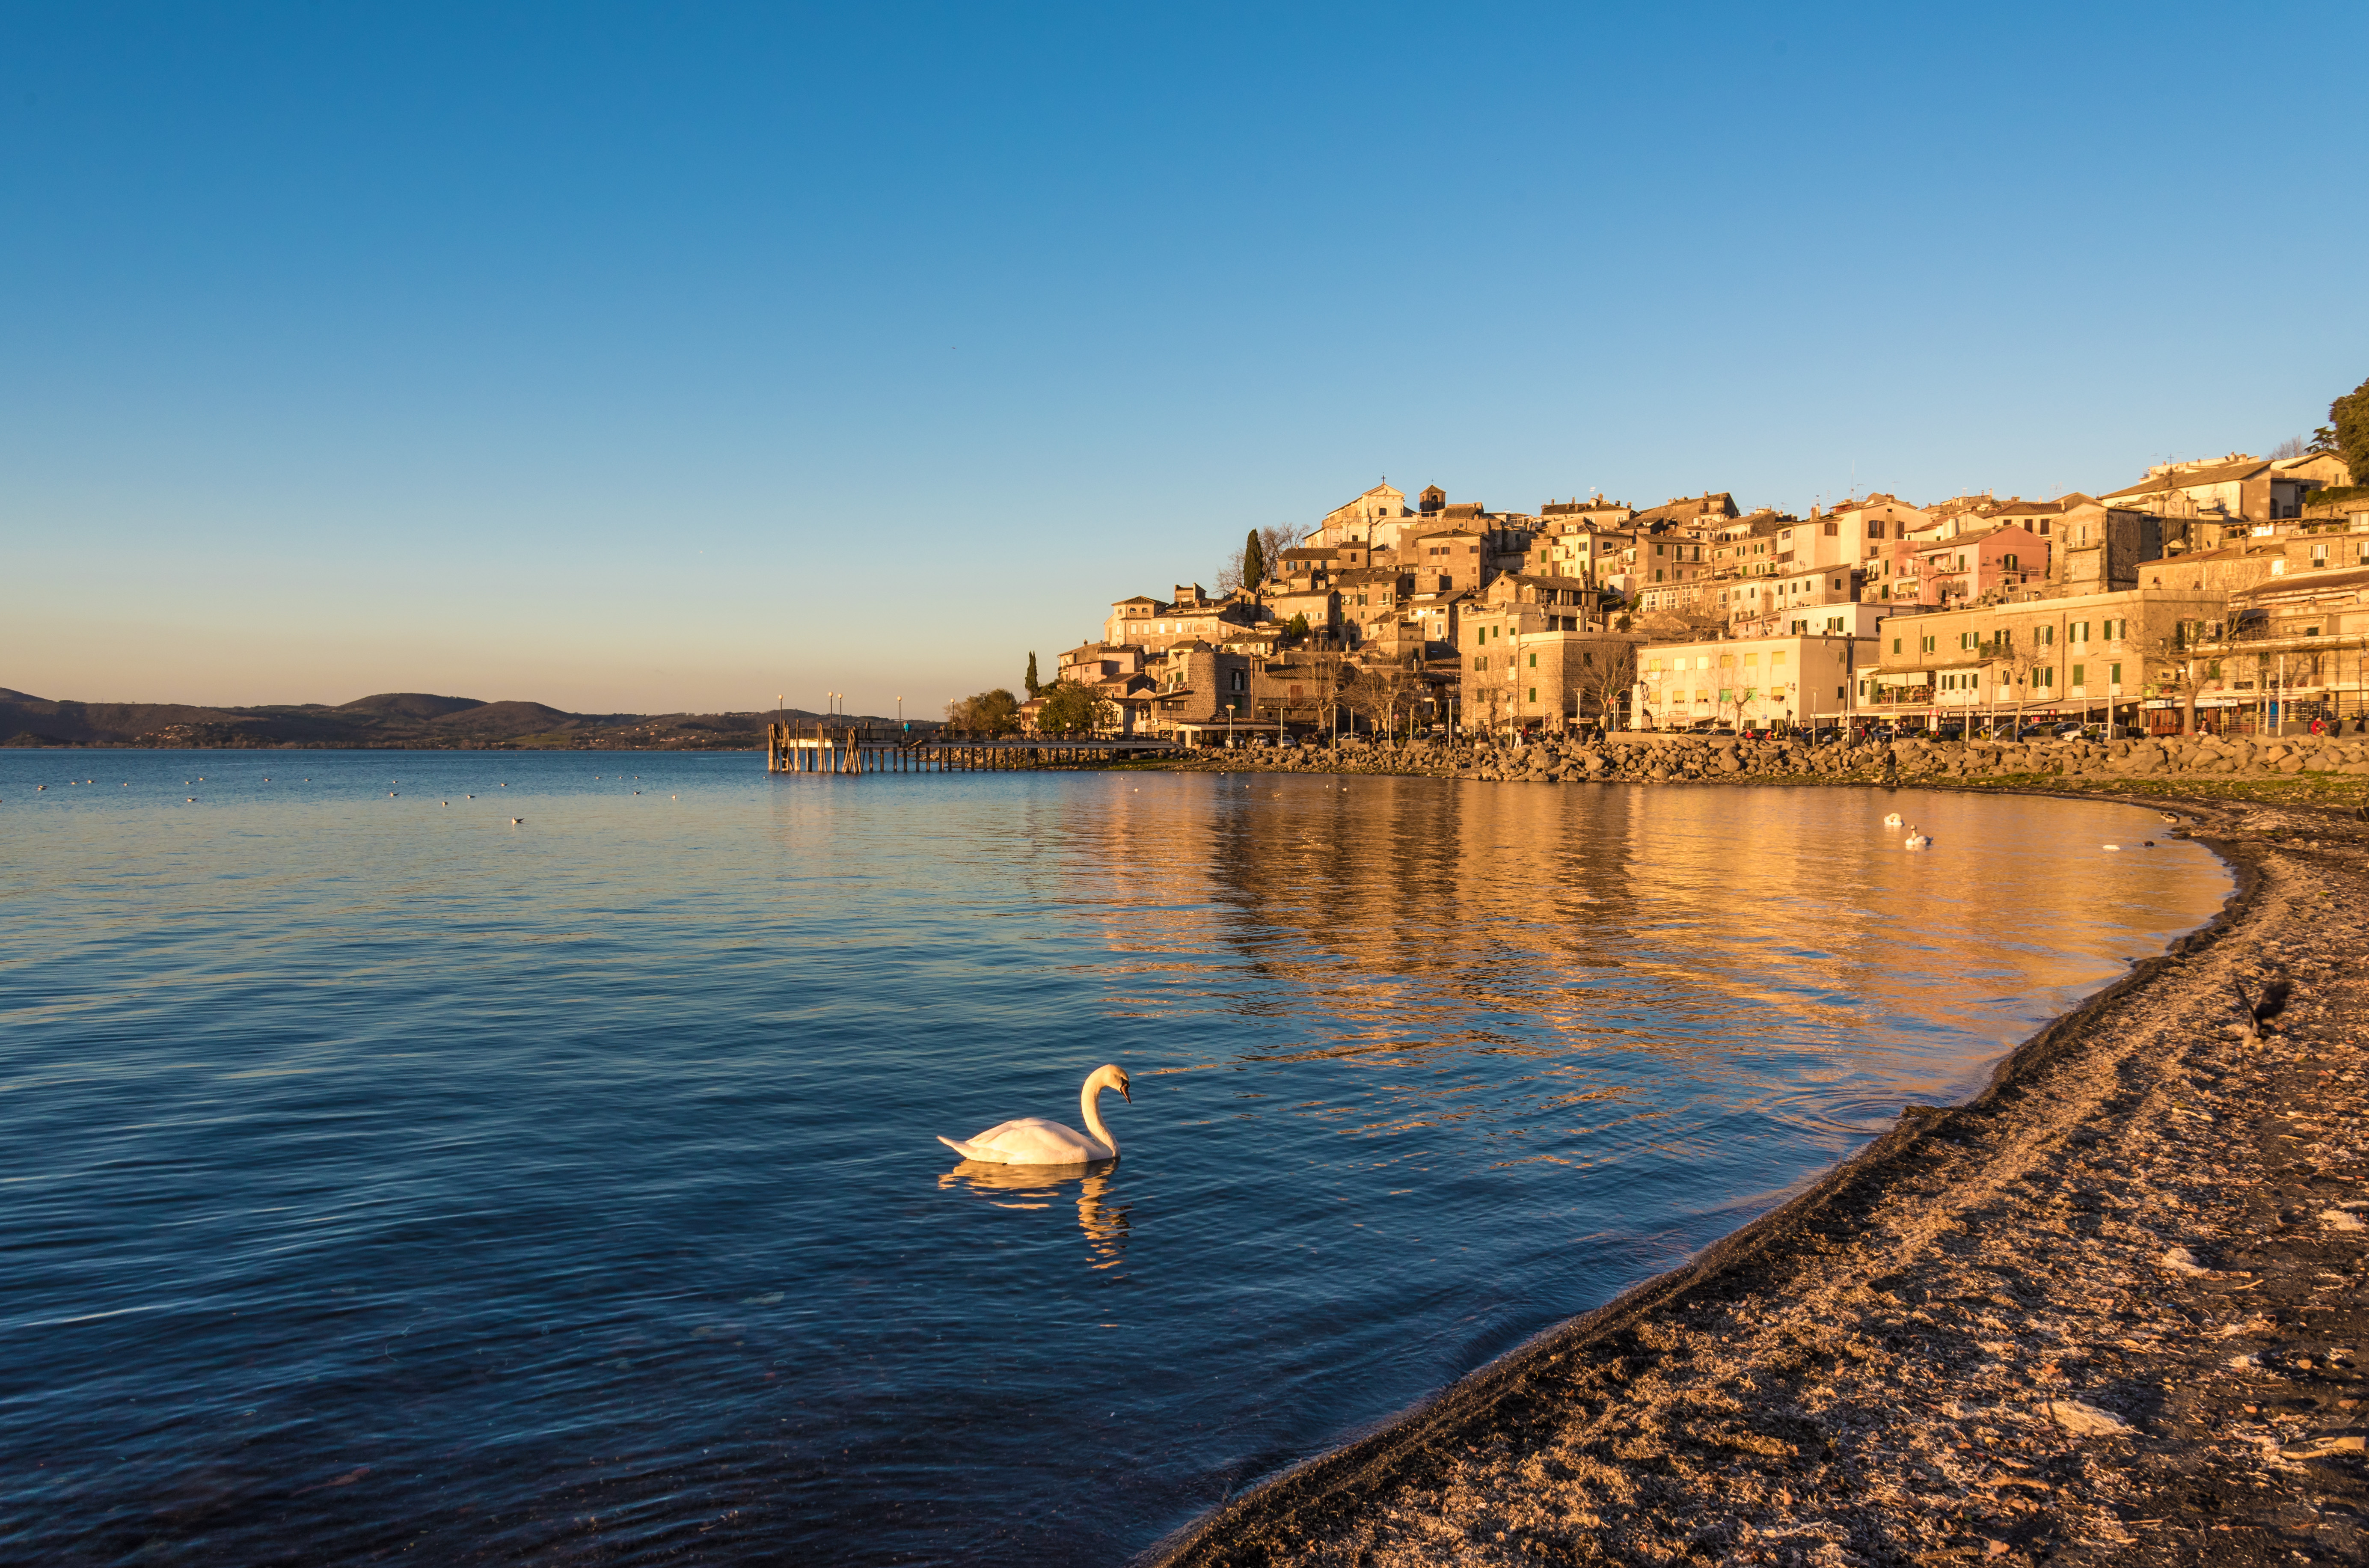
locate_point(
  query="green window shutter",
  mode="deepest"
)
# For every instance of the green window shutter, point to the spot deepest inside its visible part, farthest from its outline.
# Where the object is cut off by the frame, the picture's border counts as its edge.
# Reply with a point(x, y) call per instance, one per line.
point(1534, 661)
point(1534, 693)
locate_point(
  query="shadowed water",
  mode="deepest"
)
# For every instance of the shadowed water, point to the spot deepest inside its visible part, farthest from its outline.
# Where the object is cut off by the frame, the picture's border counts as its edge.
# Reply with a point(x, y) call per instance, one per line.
point(384, 1177)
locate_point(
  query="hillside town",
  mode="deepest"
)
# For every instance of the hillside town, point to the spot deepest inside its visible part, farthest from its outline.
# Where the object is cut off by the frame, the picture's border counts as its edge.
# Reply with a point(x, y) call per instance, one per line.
point(2218, 596)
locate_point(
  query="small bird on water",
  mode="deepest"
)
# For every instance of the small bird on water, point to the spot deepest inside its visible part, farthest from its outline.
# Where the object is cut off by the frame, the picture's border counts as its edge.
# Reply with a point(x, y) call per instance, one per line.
point(516, 821)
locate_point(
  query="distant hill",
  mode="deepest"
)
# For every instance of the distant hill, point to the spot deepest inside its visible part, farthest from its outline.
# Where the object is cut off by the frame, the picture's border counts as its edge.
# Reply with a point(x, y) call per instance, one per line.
point(418, 704)
point(390, 719)
point(506, 715)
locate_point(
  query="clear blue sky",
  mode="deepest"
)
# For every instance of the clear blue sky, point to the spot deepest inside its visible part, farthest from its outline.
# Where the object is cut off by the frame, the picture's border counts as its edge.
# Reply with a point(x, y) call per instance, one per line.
point(645, 358)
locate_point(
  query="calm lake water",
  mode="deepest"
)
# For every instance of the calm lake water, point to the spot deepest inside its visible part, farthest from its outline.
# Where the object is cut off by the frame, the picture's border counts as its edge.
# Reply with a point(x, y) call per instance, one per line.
point(382, 1177)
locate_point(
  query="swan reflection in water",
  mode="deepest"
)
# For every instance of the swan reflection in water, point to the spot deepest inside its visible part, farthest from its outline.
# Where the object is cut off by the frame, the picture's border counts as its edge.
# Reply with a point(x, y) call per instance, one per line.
point(1041, 1187)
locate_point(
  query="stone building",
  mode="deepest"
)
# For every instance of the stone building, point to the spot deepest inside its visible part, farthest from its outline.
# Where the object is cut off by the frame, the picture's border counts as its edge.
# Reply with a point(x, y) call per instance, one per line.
point(1371, 601)
point(1445, 560)
point(1196, 685)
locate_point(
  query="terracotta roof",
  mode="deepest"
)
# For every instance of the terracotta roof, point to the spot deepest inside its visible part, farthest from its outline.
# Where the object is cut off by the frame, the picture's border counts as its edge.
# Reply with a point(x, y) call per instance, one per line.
point(2310, 580)
point(2217, 473)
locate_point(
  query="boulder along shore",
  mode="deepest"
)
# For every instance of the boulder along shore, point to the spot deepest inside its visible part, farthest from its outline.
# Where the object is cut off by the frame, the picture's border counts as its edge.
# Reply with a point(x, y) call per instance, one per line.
point(2110, 1311)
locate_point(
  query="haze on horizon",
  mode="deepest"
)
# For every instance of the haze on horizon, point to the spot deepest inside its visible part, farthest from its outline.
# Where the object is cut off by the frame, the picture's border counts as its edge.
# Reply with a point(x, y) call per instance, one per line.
point(631, 358)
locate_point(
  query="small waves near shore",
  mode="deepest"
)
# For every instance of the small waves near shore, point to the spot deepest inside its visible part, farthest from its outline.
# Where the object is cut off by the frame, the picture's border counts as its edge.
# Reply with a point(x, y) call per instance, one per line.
point(387, 1173)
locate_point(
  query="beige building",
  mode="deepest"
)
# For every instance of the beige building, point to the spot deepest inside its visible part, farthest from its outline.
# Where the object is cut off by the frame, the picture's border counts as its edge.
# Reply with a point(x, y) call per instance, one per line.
point(1531, 658)
point(1156, 624)
point(2061, 657)
point(2294, 642)
point(2231, 489)
point(1355, 519)
point(1748, 682)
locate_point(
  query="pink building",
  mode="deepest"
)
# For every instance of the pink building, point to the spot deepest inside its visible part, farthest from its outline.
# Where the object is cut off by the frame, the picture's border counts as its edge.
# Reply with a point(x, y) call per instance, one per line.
point(1961, 570)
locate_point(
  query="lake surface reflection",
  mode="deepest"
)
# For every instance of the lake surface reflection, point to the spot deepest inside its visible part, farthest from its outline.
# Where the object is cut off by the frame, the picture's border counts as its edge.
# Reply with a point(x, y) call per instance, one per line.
point(382, 1176)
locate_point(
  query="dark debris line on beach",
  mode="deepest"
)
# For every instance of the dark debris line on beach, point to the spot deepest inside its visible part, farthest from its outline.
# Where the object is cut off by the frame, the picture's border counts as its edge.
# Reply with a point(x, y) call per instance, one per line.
point(2109, 1313)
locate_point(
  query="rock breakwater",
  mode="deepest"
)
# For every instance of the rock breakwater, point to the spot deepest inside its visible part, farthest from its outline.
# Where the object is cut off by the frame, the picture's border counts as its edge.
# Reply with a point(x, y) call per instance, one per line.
point(1664, 759)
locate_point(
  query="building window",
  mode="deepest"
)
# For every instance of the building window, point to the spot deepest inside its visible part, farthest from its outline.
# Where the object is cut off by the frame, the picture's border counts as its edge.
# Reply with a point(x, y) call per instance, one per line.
point(1534, 693)
point(2113, 674)
point(1534, 661)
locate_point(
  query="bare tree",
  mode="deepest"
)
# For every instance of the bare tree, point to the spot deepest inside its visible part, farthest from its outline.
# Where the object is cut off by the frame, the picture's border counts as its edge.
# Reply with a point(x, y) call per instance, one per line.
point(1607, 675)
point(1311, 681)
point(1377, 693)
point(1273, 543)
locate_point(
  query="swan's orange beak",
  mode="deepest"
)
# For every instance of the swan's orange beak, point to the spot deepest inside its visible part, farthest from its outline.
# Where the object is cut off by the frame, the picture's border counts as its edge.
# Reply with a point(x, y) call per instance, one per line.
point(1125, 1095)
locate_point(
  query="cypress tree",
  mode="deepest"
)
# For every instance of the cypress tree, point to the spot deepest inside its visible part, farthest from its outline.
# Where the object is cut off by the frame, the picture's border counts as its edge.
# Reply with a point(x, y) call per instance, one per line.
point(1253, 562)
point(1033, 688)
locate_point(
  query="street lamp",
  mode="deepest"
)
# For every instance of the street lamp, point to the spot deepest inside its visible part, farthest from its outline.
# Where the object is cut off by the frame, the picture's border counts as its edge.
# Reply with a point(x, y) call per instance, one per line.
point(900, 713)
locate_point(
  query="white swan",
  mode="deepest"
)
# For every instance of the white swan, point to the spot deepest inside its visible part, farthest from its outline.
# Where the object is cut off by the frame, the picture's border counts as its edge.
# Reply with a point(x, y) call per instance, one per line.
point(1892, 820)
point(1032, 1141)
point(1916, 841)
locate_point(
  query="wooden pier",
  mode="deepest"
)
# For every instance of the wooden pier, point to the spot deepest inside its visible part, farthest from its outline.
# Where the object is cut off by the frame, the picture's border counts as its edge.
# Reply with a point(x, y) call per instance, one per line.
point(850, 750)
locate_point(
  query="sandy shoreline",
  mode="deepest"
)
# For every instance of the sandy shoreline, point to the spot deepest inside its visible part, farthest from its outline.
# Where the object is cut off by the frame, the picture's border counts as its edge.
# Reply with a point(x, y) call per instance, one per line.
point(2108, 1311)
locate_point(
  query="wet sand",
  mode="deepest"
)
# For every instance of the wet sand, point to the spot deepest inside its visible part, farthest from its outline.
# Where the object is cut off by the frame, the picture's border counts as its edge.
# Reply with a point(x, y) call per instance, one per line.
point(2110, 1311)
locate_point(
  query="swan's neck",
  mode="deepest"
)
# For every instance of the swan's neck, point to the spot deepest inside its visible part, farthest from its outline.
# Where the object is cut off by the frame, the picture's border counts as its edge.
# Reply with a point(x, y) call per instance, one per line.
point(1093, 1118)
